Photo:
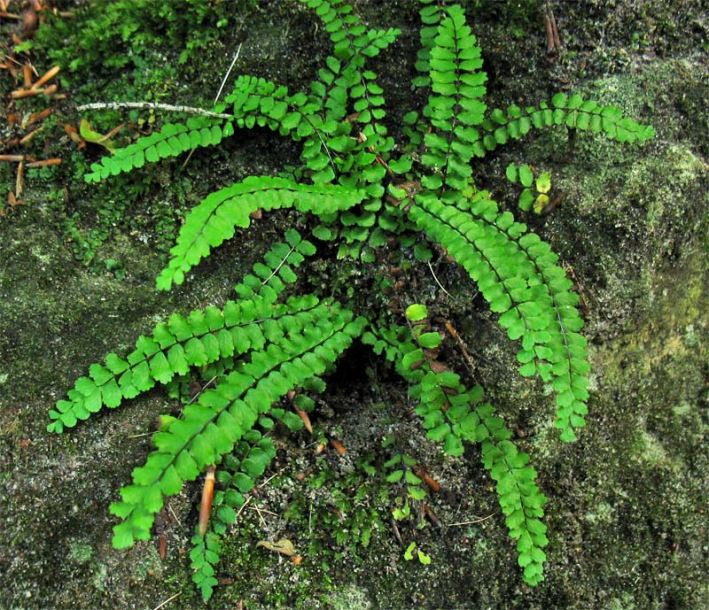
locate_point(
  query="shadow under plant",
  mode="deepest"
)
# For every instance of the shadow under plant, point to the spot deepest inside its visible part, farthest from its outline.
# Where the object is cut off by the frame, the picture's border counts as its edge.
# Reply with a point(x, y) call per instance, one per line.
point(643, 279)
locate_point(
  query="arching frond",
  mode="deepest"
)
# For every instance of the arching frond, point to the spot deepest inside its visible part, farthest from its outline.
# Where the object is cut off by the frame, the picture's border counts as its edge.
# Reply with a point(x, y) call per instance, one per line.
point(572, 112)
point(171, 140)
point(216, 218)
point(210, 427)
point(517, 274)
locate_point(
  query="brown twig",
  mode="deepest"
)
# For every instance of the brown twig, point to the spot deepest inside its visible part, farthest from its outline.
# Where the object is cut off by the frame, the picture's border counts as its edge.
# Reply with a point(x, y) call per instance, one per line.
point(205, 507)
point(27, 75)
point(19, 94)
point(37, 116)
point(461, 345)
point(551, 30)
point(20, 179)
point(47, 76)
point(45, 163)
point(25, 139)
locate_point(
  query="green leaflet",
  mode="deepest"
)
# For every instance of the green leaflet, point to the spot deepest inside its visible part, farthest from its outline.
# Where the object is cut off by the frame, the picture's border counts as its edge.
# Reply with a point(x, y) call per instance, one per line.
point(216, 218)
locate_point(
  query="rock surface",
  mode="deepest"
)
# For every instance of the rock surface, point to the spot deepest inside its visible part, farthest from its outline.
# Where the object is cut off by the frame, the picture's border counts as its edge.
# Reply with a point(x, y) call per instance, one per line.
point(627, 510)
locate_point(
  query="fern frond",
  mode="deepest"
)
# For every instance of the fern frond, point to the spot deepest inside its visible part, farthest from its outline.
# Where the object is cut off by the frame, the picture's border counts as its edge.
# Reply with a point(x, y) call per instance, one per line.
point(573, 112)
point(203, 337)
point(520, 499)
point(209, 427)
point(347, 32)
point(269, 278)
point(333, 151)
point(453, 414)
point(170, 141)
point(215, 218)
point(236, 477)
point(364, 161)
point(517, 275)
point(454, 107)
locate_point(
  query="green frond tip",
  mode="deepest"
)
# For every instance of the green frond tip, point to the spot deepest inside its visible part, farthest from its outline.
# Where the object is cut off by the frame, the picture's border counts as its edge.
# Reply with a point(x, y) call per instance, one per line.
point(347, 32)
point(216, 218)
point(455, 106)
point(172, 140)
point(520, 499)
point(210, 427)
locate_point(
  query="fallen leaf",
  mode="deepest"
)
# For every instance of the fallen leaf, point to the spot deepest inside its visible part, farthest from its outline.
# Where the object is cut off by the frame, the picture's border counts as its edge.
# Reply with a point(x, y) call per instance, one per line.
point(421, 472)
point(283, 546)
point(94, 137)
point(338, 446)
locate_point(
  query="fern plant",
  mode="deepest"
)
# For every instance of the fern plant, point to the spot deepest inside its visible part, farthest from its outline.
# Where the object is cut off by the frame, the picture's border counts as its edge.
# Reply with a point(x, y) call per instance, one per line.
point(365, 192)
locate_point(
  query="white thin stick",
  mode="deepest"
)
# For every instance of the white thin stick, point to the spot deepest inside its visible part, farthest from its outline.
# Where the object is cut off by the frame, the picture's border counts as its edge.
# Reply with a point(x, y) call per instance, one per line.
point(204, 387)
point(167, 601)
point(277, 269)
point(174, 516)
point(243, 506)
point(132, 436)
point(269, 479)
point(216, 99)
point(152, 106)
point(478, 520)
point(262, 510)
point(228, 72)
point(437, 282)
